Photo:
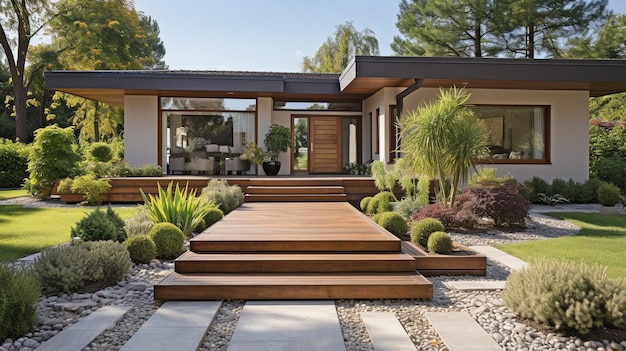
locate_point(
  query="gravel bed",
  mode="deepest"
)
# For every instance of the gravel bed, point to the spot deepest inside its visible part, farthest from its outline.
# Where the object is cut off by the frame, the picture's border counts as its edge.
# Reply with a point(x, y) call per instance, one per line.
point(487, 308)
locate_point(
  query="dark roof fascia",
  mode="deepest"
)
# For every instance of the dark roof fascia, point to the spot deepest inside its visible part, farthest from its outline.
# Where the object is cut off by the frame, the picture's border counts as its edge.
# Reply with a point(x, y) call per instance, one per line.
point(457, 68)
point(261, 82)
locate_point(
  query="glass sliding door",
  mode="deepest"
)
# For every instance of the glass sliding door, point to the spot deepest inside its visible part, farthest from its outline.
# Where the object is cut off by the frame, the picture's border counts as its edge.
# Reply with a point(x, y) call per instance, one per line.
point(300, 162)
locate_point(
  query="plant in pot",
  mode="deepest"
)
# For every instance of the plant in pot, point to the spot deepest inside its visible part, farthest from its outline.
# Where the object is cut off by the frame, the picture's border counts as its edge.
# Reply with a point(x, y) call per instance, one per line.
point(253, 153)
point(277, 140)
point(609, 195)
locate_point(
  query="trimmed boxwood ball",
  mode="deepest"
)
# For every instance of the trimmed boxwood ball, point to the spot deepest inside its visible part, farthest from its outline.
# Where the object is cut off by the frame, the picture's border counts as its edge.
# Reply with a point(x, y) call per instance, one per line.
point(141, 249)
point(169, 240)
point(393, 222)
point(380, 203)
point(421, 230)
point(213, 216)
point(364, 202)
point(440, 242)
point(608, 194)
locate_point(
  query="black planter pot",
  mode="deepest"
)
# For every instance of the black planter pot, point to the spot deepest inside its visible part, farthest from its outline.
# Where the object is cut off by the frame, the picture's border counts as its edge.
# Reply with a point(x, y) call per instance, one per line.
point(271, 168)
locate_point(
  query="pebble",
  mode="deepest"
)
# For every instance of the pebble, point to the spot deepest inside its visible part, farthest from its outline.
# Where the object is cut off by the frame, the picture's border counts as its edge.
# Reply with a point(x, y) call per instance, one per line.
point(486, 307)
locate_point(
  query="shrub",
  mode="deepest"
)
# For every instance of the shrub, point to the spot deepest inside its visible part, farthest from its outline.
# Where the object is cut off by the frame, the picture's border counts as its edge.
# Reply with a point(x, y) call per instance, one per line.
point(612, 170)
point(567, 295)
point(13, 164)
point(212, 217)
point(440, 242)
point(53, 156)
point(536, 186)
point(147, 170)
point(608, 194)
point(118, 222)
point(380, 203)
point(169, 240)
point(552, 200)
point(364, 202)
point(139, 224)
point(228, 197)
point(101, 152)
point(421, 230)
point(392, 222)
point(487, 176)
point(407, 207)
point(95, 190)
point(19, 292)
point(98, 226)
point(503, 204)
point(141, 248)
point(178, 206)
point(450, 217)
point(70, 268)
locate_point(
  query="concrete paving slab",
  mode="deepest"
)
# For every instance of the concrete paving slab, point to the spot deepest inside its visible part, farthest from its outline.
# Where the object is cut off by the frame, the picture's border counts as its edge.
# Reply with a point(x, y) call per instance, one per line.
point(476, 285)
point(386, 332)
point(78, 335)
point(175, 326)
point(288, 326)
point(501, 256)
point(460, 332)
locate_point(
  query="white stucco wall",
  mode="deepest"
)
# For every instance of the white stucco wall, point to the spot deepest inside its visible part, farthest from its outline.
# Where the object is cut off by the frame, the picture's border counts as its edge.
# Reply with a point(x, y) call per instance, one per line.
point(569, 129)
point(382, 99)
point(141, 117)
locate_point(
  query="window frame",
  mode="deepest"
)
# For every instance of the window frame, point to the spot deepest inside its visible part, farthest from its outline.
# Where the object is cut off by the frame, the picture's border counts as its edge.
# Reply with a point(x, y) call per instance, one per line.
point(547, 136)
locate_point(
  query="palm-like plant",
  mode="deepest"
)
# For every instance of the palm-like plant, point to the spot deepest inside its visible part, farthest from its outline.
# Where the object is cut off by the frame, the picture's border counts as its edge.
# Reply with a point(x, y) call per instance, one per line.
point(442, 139)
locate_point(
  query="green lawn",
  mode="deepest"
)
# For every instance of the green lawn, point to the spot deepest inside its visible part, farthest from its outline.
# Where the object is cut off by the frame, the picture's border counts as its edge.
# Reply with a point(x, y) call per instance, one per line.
point(6, 194)
point(602, 240)
point(24, 231)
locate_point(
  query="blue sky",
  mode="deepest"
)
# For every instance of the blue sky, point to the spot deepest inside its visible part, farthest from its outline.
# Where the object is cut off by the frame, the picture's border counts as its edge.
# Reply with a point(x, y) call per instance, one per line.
point(265, 35)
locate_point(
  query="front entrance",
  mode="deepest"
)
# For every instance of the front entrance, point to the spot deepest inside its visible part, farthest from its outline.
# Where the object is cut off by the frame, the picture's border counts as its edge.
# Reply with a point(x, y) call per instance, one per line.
point(324, 144)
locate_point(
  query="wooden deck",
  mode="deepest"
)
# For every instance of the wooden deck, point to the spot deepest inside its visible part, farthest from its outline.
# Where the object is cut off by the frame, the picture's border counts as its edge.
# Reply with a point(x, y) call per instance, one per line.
point(319, 250)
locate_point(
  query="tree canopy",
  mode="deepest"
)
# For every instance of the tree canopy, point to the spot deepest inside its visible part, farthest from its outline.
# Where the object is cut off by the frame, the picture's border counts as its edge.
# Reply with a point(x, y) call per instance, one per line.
point(514, 28)
point(333, 56)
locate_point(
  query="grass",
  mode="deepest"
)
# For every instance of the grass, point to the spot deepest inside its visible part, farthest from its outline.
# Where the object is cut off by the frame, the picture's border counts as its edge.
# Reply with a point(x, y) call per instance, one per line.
point(24, 231)
point(602, 240)
point(6, 194)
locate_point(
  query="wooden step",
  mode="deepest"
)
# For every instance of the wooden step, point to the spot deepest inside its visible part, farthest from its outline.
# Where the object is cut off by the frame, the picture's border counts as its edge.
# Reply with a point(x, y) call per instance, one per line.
point(266, 243)
point(288, 181)
point(192, 262)
point(300, 190)
point(280, 286)
point(295, 198)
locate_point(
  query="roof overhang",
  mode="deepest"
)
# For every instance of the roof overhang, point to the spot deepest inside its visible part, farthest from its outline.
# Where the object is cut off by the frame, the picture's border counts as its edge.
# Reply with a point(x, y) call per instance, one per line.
point(368, 74)
point(364, 76)
point(111, 86)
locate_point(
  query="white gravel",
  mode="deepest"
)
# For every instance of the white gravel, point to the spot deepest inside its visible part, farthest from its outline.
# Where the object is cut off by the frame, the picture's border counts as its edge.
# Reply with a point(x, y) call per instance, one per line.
point(487, 308)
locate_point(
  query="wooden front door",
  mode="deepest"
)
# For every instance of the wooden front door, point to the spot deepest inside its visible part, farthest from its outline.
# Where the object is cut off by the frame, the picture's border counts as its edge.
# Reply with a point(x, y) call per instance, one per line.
point(325, 145)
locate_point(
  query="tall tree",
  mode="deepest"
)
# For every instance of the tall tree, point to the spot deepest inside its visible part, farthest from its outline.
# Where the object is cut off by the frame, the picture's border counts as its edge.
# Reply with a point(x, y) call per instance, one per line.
point(20, 21)
point(516, 28)
point(608, 43)
point(542, 26)
point(104, 35)
point(446, 28)
point(335, 54)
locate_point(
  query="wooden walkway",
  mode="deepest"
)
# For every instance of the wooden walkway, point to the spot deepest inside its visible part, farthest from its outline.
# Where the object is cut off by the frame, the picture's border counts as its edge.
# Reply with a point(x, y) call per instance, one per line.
point(320, 250)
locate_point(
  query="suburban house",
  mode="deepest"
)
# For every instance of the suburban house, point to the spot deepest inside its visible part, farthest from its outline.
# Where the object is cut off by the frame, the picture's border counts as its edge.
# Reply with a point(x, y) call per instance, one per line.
point(197, 122)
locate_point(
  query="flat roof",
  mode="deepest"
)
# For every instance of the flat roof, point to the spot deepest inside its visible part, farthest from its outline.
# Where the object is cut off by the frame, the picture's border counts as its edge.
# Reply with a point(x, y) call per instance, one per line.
point(364, 76)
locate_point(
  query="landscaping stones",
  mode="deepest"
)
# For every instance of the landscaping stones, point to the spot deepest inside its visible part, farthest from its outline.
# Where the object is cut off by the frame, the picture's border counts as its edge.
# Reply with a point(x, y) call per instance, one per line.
point(485, 307)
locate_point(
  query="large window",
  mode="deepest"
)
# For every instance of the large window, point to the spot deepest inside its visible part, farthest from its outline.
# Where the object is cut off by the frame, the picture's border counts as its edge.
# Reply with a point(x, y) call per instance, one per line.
point(517, 134)
point(206, 136)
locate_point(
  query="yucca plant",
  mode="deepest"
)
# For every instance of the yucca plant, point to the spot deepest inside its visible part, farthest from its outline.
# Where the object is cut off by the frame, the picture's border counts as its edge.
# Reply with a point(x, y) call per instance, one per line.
point(178, 206)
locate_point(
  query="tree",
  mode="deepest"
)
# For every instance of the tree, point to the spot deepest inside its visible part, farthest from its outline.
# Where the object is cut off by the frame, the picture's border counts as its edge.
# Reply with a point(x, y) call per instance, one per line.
point(446, 28)
point(442, 139)
point(609, 42)
point(104, 35)
point(516, 28)
point(20, 21)
point(335, 54)
point(541, 26)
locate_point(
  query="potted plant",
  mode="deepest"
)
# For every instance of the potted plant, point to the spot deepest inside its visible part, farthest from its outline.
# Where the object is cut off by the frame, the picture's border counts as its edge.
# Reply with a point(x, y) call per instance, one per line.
point(609, 196)
point(253, 153)
point(277, 140)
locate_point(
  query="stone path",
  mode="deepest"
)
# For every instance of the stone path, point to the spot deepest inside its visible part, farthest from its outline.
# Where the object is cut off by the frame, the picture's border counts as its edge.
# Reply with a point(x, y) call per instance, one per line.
point(386, 332)
point(175, 326)
point(500, 256)
point(79, 335)
point(459, 331)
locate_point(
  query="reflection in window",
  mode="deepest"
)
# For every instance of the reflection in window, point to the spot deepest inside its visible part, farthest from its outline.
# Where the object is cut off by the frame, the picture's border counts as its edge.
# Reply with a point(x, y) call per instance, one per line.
point(207, 135)
point(515, 132)
point(301, 144)
point(319, 106)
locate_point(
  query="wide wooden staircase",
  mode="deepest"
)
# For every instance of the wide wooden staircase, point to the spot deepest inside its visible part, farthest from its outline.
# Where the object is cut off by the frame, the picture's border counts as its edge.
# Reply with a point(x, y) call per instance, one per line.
point(313, 250)
point(300, 190)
